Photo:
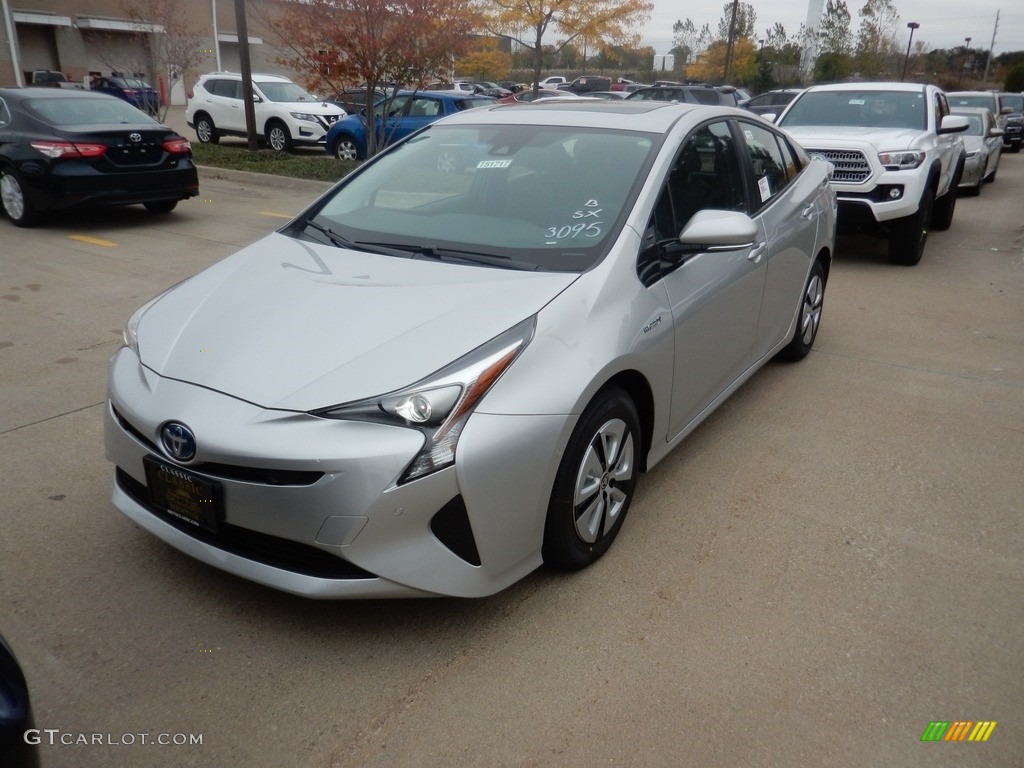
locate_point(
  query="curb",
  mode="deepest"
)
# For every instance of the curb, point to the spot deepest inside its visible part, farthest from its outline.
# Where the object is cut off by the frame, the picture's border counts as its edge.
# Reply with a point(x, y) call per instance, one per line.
point(263, 179)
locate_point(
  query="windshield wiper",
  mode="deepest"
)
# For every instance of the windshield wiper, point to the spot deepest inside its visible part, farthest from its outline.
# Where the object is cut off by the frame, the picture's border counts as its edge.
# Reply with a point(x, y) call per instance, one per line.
point(454, 256)
point(340, 242)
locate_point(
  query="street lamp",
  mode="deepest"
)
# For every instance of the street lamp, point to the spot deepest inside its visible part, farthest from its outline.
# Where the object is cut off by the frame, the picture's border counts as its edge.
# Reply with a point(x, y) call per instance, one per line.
point(911, 26)
point(967, 46)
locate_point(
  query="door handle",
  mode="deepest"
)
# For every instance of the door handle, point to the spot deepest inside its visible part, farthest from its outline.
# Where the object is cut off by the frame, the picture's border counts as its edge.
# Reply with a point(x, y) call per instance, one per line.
point(808, 211)
point(757, 252)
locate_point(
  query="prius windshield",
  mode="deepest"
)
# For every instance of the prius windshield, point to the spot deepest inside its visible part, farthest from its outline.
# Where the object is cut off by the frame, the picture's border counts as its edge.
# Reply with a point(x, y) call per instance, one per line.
point(544, 197)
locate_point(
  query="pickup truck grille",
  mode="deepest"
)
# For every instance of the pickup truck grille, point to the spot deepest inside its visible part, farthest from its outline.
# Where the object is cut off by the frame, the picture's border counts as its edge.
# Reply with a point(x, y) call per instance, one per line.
point(850, 165)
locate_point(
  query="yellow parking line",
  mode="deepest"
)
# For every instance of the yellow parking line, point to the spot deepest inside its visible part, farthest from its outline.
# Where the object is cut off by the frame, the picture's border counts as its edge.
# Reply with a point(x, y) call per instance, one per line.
point(92, 240)
point(277, 215)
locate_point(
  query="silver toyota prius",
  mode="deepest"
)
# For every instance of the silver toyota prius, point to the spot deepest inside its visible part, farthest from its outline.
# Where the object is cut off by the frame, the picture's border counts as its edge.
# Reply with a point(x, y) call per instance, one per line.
point(451, 368)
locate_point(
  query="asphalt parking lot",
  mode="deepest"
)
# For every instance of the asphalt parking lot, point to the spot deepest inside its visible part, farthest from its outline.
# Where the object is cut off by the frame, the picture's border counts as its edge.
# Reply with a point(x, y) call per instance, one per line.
point(827, 565)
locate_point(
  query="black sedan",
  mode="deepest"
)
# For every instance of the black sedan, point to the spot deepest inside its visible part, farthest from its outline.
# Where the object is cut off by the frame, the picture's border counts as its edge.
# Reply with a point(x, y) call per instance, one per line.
point(62, 149)
point(16, 722)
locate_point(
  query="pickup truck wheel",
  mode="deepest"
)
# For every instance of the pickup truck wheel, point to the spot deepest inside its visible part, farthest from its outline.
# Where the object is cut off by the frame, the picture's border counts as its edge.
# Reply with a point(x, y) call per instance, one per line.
point(908, 235)
point(942, 214)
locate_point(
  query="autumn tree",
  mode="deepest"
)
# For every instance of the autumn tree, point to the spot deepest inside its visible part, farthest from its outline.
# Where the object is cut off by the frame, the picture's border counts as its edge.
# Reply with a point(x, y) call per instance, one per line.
point(167, 43)
point(485, 61)
point(710, 65)
point(528, 22)
point(877, 38)
point(374, 42)
point(689, 41)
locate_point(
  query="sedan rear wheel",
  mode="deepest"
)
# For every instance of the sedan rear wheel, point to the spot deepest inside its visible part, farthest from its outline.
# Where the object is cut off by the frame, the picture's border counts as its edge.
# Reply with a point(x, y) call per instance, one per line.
point(161, 206)
point(806, 330)
point(595, 482)
point(16, 204)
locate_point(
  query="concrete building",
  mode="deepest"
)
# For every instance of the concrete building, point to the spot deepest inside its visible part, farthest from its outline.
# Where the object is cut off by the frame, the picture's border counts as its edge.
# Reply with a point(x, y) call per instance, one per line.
point(85, 37)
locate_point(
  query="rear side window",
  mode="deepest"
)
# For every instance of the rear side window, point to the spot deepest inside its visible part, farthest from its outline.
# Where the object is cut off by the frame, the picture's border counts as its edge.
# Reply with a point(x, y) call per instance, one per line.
point(704, 96)
point(229, 89)
point(772, 169)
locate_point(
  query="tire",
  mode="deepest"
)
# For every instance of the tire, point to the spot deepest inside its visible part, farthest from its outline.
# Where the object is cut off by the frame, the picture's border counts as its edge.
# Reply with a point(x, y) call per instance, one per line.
point(595, 482)
point(942, 213)
point(205, 131)
point(278, 137)
point(161, 206)
point(15, 202)
point(346, 149)
point(811, 305)
point(907, 236)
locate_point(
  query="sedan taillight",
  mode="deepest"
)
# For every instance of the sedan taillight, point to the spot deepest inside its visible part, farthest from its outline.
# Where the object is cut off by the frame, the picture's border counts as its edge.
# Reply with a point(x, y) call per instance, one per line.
point(61, 149)
point(177, 146)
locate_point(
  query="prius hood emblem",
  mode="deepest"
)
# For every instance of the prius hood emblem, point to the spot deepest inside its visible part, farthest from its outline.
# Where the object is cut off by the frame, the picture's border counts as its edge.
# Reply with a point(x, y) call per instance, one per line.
point(178, 441)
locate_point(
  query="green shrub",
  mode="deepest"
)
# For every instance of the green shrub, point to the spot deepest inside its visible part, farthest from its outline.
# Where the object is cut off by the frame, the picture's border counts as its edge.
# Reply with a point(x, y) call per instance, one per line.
point(305, 164)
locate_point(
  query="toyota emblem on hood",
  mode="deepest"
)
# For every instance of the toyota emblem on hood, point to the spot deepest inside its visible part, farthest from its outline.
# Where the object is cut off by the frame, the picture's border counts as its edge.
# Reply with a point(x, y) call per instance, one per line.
point(178, 441)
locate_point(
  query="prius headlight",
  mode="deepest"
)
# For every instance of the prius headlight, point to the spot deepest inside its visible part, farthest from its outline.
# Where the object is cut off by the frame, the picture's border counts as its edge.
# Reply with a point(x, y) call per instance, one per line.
point(440, 405)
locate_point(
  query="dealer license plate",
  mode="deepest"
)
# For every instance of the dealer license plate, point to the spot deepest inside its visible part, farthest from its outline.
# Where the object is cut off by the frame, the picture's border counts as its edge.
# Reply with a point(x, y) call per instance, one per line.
point(183, 494)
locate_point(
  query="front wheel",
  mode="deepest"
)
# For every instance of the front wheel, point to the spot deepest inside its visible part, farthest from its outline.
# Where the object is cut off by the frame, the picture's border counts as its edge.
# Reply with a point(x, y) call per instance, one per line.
point(278, 137)
point(595, 482)
point(806, 330)
point(15, 202)
point(908, 235)
point(346, 149)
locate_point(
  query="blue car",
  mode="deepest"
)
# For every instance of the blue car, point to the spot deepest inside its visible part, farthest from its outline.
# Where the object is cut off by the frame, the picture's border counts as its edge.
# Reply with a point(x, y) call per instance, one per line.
point(134, 90)
point(407, 112)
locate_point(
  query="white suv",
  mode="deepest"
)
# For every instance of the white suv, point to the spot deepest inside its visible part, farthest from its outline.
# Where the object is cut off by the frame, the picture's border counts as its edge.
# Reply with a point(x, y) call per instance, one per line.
point(285, 114)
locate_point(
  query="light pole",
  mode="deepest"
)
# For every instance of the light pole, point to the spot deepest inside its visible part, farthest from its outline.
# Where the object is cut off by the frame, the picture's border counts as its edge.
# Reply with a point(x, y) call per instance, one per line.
point(967, 46)
point(911, 26)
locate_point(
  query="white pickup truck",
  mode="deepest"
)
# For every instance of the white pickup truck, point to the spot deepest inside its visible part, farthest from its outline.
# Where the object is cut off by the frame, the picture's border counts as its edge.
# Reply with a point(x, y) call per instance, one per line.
point(52, 79)
point(898, 155)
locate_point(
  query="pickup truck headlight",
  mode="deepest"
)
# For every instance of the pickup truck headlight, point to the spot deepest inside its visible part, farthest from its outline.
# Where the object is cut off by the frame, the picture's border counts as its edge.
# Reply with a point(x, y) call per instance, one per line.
point(900, 161)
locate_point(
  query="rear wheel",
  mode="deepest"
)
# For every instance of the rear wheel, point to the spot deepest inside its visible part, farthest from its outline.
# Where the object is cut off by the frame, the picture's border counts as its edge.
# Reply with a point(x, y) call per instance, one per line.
point(595, 482)
point(16, 204)
point(278, 137)
point(907, 236)
point(942, 215)
point(810, 316)
point(205, 131)
point(161, 206)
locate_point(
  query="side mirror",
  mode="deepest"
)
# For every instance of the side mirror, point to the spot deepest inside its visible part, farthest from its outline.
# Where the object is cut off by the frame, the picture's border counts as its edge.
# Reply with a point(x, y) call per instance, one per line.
point(713, 230)
point(996, 132)
point(954, 124)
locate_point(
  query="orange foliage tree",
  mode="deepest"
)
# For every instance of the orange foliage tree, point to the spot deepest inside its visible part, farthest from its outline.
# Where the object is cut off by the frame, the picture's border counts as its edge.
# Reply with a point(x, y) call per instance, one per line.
point(373, 42)
point(612, 22)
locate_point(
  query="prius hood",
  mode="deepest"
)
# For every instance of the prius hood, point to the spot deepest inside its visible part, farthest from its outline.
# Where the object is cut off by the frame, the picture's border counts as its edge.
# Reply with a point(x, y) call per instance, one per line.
point(298, 326)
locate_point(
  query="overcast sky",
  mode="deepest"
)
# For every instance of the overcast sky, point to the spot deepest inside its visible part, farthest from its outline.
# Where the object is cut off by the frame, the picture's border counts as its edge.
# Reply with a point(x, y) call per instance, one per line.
point(944, 23)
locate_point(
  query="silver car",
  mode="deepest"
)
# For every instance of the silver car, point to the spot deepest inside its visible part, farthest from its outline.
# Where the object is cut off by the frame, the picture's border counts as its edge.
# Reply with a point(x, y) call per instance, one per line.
point(983, 141)
point(442, 375)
